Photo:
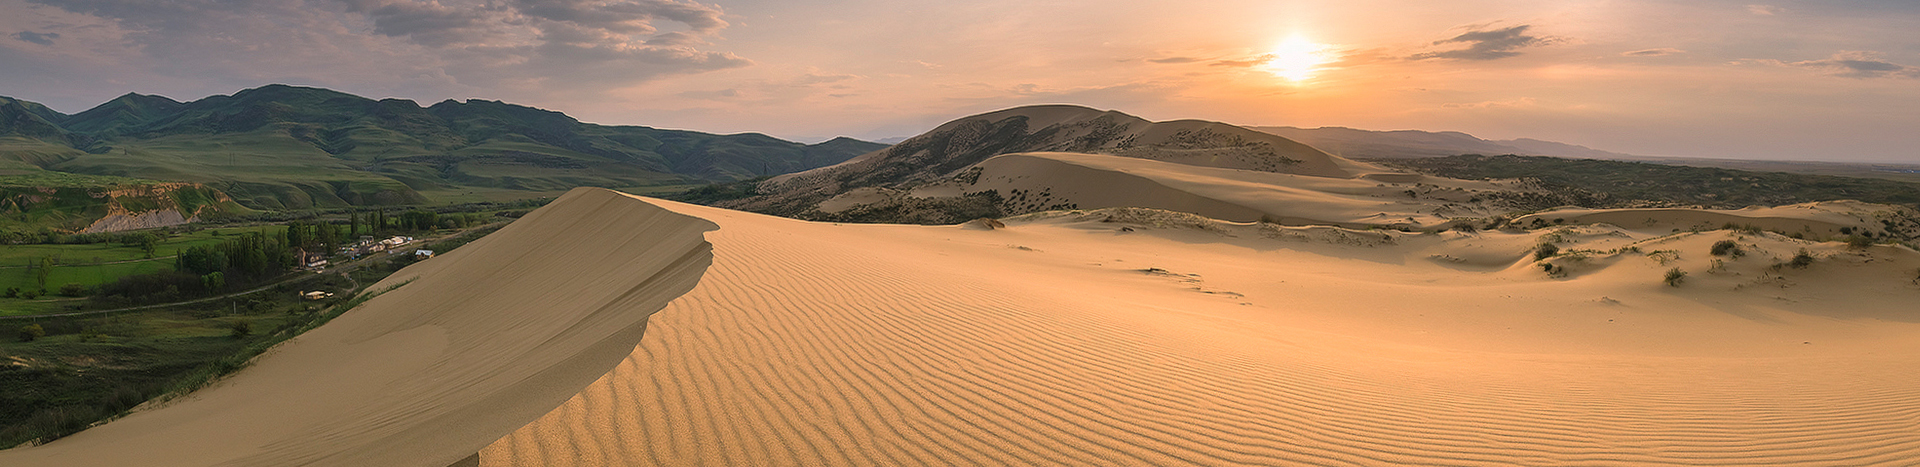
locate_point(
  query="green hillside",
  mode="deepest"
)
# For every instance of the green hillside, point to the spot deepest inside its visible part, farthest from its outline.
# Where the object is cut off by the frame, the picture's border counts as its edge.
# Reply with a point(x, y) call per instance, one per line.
point(286, 147)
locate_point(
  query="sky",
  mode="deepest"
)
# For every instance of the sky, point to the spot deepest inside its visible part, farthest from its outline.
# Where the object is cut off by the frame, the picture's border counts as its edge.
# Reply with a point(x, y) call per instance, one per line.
point(1794, 80)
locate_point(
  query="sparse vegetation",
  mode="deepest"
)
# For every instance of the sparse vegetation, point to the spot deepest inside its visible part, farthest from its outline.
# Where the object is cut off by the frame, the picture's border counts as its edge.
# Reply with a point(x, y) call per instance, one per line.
point(1675, 276)
point(1544, 251)
point(1801, 260)
point(1859, 242)
point(1664, 256)
point(1727, 248)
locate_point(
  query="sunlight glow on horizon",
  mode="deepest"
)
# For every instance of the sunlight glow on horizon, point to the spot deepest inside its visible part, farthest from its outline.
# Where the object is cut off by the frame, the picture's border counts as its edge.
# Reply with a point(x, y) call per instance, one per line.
point(1296, 58)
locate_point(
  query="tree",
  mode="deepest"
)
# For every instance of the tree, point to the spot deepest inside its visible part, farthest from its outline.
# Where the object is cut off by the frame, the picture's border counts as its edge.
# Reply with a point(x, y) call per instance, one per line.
point(214, 281)
point(353, 224)
point(46, 270)
point(32, 331)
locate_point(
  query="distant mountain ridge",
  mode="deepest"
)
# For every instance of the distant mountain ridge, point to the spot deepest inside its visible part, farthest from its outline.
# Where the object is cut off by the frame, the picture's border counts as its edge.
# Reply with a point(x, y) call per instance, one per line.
point(1407, 144)
point(290, 147)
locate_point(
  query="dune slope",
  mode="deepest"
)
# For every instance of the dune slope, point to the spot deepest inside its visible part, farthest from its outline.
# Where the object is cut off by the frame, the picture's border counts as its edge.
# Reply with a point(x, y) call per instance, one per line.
point(482, 340)
point(1164, 340)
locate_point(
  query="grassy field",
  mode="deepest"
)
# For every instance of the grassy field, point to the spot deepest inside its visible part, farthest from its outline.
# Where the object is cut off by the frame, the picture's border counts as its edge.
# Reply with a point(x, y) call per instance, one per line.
point(88, 265)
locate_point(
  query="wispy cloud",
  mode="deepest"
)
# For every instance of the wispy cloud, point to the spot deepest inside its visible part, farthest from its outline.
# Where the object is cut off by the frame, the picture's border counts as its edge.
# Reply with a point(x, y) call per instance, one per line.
point(1765, 10)
point(1660, 52)
point(1854, 64)
point(1174, 60)
point(1487, 45)
point(42, 38)
point(1499, 104)
point(600, 43)
point(1244, 63)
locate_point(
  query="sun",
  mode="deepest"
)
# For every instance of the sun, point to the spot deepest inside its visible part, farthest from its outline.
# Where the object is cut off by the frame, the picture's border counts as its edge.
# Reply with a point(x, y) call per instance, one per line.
point(1296, 58)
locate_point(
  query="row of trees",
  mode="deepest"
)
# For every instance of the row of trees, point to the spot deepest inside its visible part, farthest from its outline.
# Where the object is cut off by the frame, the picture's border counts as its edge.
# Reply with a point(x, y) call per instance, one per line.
point(417, 220)
point(247, 259)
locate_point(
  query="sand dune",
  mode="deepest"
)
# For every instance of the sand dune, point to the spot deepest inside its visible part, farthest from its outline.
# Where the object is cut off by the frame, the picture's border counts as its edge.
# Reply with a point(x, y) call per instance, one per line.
point(1139, 337)
point(1098, 181)
point(487, 338)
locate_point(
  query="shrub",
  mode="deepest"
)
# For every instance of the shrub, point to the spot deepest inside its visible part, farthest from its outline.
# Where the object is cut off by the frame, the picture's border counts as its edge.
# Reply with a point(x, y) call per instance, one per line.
point(1801, 260)
point(73, 289)
point(1859, 242)
point(30, 294)
point(13, 292)
point(1726, 247)
point(1544, 251)
point(1675, 276)
point(242, 328)
point(32, 331)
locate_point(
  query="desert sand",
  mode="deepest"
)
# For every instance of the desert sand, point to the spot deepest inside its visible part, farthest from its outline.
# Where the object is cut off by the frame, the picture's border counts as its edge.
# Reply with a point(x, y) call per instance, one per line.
point(480, 341)
point(1119, 336)
point(1143, 337)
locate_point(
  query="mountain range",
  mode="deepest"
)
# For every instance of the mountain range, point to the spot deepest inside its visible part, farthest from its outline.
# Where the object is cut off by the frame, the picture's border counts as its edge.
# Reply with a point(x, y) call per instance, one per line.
point(290, 147)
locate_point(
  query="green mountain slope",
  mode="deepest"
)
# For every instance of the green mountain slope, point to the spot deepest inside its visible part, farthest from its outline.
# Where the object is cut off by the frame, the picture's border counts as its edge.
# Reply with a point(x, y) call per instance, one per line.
point(289, 147)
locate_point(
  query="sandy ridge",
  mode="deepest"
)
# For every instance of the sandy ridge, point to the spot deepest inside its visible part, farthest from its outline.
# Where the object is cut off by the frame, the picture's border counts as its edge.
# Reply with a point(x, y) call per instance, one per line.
point(484, 339)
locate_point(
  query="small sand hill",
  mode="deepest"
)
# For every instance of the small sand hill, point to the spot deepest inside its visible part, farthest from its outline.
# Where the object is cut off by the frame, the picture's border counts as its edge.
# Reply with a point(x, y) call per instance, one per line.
point(481, 341)
point(1132, 336)
point(1819, 220)
point(937, 155)
point(1052, 180)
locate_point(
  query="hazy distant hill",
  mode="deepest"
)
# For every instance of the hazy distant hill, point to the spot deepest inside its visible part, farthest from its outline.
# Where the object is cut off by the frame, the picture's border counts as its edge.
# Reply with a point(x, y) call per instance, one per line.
point(1405, 144)
point(278, 147)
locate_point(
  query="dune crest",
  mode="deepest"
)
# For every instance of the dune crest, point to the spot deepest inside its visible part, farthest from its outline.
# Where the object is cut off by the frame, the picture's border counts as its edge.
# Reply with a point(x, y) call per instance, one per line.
point(479, 342)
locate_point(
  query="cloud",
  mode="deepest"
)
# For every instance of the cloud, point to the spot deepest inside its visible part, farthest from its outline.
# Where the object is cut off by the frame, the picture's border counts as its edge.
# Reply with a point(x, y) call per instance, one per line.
point(1487, 45)
point(1247, 63)
point(810, 79)
point(42, 38)
point(1855, 64)
point(1505, 104)
point(578, 45)
point(1765, 10)
point(1174, 60)
point(1660, 52)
